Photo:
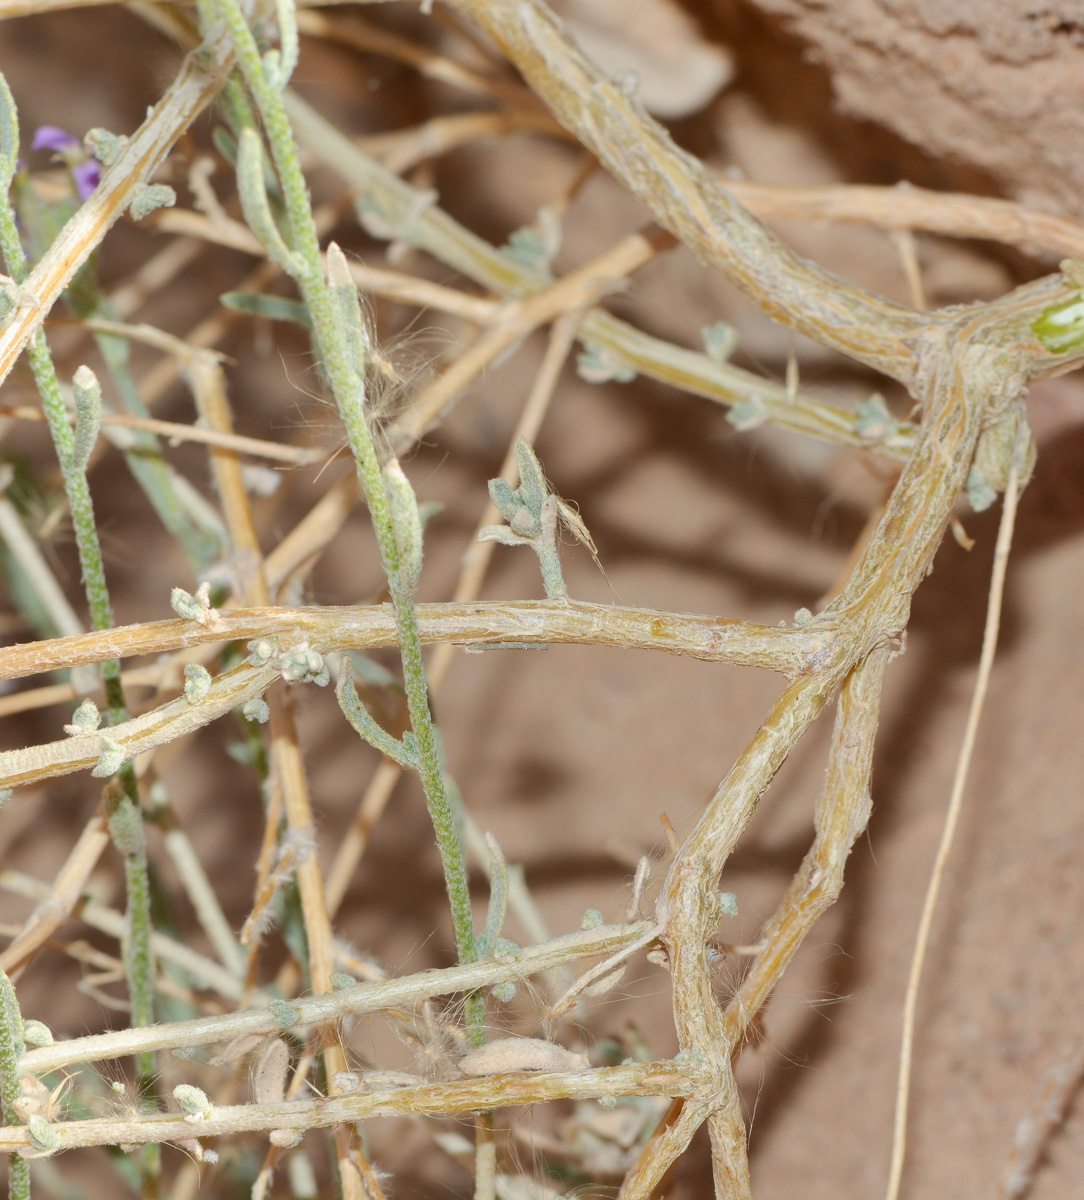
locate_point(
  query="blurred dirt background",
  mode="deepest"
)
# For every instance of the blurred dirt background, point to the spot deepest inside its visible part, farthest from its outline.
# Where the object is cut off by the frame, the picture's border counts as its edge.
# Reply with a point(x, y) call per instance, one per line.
point(569, 756)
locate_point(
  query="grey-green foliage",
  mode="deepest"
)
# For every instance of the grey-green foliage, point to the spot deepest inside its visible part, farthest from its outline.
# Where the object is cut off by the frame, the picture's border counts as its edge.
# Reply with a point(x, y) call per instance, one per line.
point(257, 207)
point(498, 898)
point(532, 512)
point(88, 415)
point(403, 752)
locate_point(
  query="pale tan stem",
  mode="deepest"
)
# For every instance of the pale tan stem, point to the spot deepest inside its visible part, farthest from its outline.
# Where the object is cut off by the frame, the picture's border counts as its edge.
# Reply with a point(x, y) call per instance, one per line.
point(438, 1099)
point(208, 973)
point(480, 623)
point(729, 1148)
point(841, 814)
point(684, 198)
point(24, 550)
point(1058, 1087)
point(378, 281)
point(905, 208)
point(368, 997)
point(485, 1157)
point(405, 148)
point(670, 1141)
point(432, 229)
point(148, 732)
point(174, 431)
point(65, 893)
point(287, 767)
point(429, 63)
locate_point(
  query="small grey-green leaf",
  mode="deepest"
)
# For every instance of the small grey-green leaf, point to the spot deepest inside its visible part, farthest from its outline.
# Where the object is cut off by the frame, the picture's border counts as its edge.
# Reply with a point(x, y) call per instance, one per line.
point(532, 486)
point(720, 340)
point(503, 497)
point(271, 308)
point(255, 204)
point(150, 196)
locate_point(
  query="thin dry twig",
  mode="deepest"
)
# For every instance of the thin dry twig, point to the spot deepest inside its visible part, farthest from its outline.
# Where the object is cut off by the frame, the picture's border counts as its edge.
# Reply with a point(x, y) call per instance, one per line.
point(952, 820)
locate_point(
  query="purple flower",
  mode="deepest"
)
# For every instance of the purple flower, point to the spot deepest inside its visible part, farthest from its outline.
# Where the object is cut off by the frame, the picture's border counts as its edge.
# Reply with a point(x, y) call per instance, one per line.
point(85, 171)
point(52, 137)
point(86, 176)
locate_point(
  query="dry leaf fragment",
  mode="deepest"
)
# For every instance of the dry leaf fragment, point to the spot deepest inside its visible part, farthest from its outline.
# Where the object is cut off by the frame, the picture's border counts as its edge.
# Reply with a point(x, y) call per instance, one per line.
point(521, 1054)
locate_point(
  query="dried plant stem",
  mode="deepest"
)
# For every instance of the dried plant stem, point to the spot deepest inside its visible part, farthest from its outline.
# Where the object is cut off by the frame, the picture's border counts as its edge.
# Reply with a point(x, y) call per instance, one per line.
point(576, 290)
point(429, 63)
point(205, 971)
point(478, 623)
point(257, 447)
point(200, 891)
point(671, 1140)
point(377, 281)
point(406, 148)
point(64, 894)
point(841, 814)
point(153, 729)
point(906, 208)
point(288, 775)
point(952, 818)
point(444, 1099)
point(534, 622)
point(420, 221)
point(150, 277)
point(485, 1157)
point(376, 796)
point(24, 550)
point(685, 199)
point(368, 997)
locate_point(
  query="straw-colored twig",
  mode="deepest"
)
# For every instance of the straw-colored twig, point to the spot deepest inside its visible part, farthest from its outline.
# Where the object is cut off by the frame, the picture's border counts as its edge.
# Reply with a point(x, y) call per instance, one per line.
point(176, 432)
point(952, 819)
point(481, 623)
point(374, 996)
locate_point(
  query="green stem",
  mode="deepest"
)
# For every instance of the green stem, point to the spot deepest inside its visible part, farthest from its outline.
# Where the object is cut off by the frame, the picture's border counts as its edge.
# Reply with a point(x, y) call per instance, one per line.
point(139, 954)
point(340, 359)
point(12, 1048)
point(125, 820)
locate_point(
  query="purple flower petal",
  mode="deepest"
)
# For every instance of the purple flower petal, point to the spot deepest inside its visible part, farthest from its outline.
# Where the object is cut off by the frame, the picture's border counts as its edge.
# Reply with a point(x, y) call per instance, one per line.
point(86, 175)
point(52, 137)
